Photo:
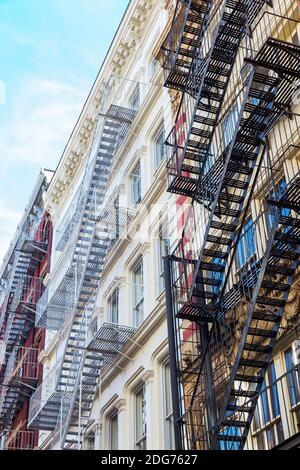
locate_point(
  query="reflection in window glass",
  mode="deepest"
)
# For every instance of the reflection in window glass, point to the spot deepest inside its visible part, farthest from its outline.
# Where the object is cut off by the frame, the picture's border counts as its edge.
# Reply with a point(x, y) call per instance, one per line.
point(140, 419)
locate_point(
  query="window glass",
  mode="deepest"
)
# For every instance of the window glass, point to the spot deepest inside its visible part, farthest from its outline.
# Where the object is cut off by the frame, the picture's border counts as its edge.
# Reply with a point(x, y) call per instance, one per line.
point(136, 185)
point(273, 390)
point(163, 249)
point(140, 419)
point(292, 379)
point(229, 125)
point(160, 148)
point(168, 409)
point(246, 246)
point(113, 431)
point(114, 306)
point(138, 294)
point(135, 99)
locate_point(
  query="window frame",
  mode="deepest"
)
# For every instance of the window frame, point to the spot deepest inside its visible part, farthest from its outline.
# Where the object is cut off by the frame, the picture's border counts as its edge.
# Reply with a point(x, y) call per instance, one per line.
point(138, 303)
point(112, 298)
point(159, 155)
point(136, 185)
point(140, 441)
point(162, 250)
point(135, 99)
point(168, 416)
point(114, 415)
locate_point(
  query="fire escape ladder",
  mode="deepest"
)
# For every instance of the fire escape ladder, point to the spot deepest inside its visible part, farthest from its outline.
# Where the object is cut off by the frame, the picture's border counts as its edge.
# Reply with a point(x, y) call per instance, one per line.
point(198, 283)
point(224, 189)
point(190, 140)
point(183, 41)
point(79, 372)
point(266, 300)
point(225, 184)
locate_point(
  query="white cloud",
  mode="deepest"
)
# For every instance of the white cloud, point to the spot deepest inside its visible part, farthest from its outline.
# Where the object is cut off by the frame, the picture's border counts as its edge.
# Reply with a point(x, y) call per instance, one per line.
point(9, 220)
point(44, 113)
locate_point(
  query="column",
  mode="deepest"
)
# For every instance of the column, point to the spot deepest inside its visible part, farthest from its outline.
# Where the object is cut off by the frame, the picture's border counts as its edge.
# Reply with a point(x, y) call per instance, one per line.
point(123, 432)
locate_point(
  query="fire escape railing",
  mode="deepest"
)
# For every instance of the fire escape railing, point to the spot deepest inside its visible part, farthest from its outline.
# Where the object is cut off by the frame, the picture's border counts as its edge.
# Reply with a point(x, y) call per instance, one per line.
point(217, 158)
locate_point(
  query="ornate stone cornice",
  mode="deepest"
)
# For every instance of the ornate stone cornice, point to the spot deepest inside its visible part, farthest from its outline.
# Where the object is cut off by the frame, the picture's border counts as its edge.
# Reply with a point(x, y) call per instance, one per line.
point(124, 45)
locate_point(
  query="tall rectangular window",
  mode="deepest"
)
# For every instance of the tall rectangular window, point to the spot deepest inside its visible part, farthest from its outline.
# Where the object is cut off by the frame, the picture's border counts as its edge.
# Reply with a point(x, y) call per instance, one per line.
point(136, 188)
point(163, 245)
point(160, 148)
point(135, 99)
point(113, 432)
point(273, 390)
point(292, 378)
point(168, 410)
point(138, 294)
point(114, 306)
point(90, 442)
point(229, 125)
point(140, 419)
point(116, 205)
point(246, 246)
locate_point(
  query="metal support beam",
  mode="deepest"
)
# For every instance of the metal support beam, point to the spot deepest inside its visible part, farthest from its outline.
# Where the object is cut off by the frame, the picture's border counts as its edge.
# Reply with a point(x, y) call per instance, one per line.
point(172, 355)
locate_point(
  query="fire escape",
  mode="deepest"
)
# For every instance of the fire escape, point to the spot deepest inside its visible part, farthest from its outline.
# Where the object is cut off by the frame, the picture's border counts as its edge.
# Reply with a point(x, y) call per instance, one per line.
point(236, 88)
point(64, 400)
point(20, 369)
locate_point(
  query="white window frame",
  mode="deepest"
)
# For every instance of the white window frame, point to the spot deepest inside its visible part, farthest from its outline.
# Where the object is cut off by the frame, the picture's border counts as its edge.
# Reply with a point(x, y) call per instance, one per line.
point(162, 250)
point(138, 301)
point(114, 297)
point(140, 440)
point(158, 157)
point(135, 99)
point(136, 185)
point(169, 439)
point(111, 439)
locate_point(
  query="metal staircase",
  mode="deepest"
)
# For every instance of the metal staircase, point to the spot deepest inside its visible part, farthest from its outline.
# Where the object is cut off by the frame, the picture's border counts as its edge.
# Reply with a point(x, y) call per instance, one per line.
point(265, 295)
point(183, 41)
point(221, 332)
point(211, 72)
point(79, 371)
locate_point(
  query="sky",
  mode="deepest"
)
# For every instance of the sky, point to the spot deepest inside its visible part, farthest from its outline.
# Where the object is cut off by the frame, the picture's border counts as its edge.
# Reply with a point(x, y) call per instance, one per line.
point(50, 54)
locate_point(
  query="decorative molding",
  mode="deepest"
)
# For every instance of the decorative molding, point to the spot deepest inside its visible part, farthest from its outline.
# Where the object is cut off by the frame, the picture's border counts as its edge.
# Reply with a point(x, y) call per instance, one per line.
point(148, 377)
point(120, 405)
point(76, 152)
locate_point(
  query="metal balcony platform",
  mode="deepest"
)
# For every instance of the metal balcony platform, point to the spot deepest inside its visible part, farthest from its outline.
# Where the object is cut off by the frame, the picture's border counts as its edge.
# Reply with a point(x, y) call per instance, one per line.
point(110, 339)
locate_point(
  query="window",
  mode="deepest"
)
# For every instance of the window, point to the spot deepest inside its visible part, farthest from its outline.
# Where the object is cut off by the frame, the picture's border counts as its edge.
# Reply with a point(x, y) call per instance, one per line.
point(295, 39)
point(273, 390)
point(160, 148)
point(229, 125)
point(138, 294)
point(168, 410)
point(292, 379)
point(136, 191)
point(114, 307)
point(163, 249)
point(140, 419)
point(277, 194)
point(267, 417)
point(116, 208)
point(246, 246)
point(113, 431)
point(153, 66)
point(135, 99)
point(90, 441)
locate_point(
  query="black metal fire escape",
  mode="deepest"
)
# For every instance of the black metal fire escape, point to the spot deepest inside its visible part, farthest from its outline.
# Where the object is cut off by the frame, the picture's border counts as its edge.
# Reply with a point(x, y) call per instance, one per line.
point(222, 181)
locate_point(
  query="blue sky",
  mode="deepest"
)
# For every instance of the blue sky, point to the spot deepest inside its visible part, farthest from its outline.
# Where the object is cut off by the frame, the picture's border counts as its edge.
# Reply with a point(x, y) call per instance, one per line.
point(50, 53)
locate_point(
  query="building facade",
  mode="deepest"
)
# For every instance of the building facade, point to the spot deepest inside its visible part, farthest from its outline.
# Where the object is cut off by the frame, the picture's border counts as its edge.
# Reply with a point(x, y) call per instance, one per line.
point(169, 309)
point(232, 278)
point(23, 270)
